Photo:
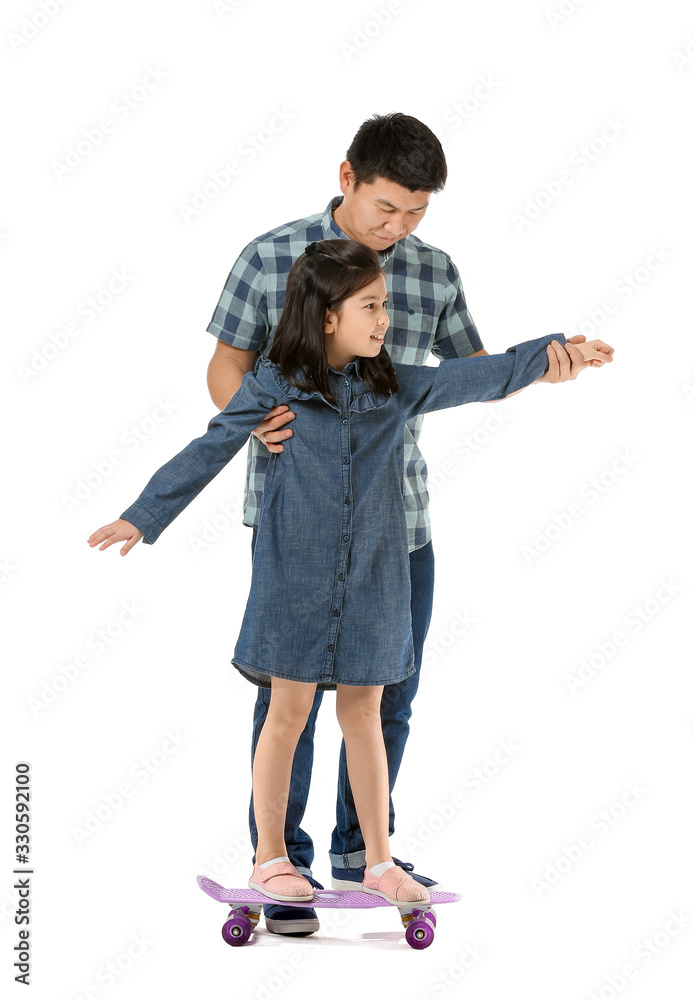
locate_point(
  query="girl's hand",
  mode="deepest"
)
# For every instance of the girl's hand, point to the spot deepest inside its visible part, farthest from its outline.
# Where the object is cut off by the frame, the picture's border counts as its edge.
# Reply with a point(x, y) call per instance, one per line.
point(566, 363)
point(596, 352)
point(116, 531)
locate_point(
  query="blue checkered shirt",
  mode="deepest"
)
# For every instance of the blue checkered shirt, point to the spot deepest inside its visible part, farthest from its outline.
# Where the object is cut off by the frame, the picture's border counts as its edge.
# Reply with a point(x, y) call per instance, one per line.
point(427, 312)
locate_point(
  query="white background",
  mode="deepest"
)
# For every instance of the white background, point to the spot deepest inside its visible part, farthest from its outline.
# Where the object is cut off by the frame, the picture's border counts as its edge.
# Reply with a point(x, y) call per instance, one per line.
point(534, 85)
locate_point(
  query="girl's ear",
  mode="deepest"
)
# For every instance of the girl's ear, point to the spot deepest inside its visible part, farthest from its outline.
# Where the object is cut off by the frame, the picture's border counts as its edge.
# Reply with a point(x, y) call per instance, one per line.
point(329, 322)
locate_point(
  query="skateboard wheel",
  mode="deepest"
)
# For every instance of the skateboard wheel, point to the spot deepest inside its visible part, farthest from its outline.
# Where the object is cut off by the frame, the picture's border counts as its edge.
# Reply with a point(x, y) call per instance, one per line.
point(419, 933)
point(426, 914)
point(237, 930)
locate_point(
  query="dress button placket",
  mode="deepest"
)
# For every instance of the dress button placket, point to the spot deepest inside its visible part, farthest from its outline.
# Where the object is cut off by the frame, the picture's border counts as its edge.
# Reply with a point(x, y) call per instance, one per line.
point(345, 532)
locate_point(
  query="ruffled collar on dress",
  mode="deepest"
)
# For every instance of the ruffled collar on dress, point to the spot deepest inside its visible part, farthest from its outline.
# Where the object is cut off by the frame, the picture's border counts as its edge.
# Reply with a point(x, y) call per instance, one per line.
point(362, 397)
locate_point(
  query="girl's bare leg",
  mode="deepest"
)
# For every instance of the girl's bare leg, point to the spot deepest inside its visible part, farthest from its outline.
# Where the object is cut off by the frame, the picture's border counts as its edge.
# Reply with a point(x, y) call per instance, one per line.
point(359, 715)
point(290, 704)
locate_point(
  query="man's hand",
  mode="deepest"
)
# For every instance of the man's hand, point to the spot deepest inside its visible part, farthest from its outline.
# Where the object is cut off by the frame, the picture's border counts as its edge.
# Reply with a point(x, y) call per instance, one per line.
point(116, 531)
point(268, 431)
point(565, 365)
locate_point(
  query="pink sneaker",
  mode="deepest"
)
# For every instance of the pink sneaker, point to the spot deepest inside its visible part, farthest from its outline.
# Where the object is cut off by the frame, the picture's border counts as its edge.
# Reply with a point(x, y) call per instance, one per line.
point(396, 886)
point(281, 880)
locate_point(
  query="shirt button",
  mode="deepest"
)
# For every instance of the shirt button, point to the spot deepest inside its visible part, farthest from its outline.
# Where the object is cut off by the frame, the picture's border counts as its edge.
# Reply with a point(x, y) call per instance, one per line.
point(347, 500)
point(344, 420)
point(340, 576)
point(336, 611)
point(345, 538)
point(346, 382)
point(345, 461)
point(330, 647)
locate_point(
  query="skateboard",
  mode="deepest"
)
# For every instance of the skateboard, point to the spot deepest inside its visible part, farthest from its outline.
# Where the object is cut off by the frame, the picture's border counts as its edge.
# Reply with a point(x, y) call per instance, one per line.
point(418, 919)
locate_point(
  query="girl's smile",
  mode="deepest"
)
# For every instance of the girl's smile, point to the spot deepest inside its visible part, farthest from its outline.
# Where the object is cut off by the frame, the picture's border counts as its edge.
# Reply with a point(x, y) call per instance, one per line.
point(349, 330)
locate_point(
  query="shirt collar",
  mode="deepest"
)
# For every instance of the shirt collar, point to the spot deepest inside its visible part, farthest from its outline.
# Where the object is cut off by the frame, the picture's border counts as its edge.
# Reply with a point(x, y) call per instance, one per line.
point(351, 365)
point(332, 230)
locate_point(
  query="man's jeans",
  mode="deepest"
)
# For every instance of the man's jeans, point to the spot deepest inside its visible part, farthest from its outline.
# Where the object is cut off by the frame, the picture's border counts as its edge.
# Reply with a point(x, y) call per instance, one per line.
point(347, 847)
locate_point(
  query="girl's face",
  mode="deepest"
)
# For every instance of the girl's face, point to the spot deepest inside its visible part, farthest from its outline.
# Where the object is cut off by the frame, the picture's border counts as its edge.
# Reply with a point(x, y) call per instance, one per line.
point(358, 327)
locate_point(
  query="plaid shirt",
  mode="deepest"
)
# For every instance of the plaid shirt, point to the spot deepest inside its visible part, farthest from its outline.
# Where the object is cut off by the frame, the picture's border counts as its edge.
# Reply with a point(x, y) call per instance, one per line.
point(427, 311)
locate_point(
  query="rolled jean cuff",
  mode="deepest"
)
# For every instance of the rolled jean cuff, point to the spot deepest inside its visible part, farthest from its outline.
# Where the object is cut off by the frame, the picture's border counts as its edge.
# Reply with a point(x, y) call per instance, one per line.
point(355, 859)
point(304, 871)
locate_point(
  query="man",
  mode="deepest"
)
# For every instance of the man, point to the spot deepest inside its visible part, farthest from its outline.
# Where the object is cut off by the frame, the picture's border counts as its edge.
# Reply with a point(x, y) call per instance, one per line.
point(391, 169)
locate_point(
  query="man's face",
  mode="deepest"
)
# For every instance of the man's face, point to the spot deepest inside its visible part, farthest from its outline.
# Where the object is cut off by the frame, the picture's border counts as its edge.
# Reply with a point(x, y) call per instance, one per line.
point(381, 213)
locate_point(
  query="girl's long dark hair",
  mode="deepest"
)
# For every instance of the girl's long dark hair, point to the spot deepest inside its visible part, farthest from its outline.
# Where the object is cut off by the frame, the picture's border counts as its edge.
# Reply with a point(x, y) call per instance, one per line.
point(320, 280)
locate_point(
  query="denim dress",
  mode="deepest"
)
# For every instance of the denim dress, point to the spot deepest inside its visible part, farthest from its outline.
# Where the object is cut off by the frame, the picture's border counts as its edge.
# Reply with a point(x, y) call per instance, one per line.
point(329, 601)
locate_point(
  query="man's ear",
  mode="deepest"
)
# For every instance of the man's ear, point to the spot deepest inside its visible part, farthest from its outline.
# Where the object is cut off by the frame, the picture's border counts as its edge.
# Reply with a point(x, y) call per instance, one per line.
point(347, 176)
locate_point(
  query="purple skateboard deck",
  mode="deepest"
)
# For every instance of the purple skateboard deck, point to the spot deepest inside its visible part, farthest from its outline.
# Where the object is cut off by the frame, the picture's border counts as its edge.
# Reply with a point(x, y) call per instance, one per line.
point(418, 919)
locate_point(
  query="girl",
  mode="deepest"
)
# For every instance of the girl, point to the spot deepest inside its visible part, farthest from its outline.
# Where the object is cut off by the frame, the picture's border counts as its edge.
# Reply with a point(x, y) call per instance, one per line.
point(329, 604)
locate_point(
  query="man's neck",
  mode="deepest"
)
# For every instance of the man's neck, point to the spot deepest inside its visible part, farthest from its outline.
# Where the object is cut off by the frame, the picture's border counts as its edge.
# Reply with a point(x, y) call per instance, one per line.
point(341, 221)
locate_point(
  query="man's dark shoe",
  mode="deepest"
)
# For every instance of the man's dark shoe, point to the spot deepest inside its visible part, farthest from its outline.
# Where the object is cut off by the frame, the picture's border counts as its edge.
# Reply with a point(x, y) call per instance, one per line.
point(352, 878)
point(297, 921)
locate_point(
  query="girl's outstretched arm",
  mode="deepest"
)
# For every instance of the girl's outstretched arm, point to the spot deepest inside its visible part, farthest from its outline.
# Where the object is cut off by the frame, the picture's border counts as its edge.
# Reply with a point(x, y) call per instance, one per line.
point(179, 481)
point(477, 379)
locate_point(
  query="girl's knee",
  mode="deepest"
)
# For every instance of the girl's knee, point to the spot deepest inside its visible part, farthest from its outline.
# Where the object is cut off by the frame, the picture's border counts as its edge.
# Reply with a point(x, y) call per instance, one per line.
point(359, 708)
point(290, 707)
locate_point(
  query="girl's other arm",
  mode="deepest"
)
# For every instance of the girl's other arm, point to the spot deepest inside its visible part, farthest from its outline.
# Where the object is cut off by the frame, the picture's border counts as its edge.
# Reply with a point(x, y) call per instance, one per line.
point(482, 378)
point(225, 371)
point(179, 481)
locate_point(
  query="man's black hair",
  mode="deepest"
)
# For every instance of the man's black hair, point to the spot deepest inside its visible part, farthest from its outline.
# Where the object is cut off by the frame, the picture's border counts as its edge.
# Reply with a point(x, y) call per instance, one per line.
point(401, 149)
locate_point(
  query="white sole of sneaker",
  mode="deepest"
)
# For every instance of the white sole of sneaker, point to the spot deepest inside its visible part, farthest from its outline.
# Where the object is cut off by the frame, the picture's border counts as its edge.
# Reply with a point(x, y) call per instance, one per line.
point(278, 898)
point(338, 883)
point(307, 926)
point(396, 902)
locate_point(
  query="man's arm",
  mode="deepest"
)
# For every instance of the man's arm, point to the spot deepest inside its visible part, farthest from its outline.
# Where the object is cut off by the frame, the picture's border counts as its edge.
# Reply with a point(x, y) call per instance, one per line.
point(225, 371)
point(241, 325)
point(227, 367)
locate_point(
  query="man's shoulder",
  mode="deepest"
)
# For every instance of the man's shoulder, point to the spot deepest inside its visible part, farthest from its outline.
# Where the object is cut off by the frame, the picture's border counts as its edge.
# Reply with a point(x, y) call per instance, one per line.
point(425, 252)
point(308, 228)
